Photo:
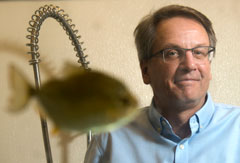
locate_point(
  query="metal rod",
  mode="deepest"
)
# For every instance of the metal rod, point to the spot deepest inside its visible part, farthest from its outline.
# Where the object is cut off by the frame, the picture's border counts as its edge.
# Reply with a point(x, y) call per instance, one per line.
point(46, 141)
point(89, 137)
point(48, 153)
point(35, 23)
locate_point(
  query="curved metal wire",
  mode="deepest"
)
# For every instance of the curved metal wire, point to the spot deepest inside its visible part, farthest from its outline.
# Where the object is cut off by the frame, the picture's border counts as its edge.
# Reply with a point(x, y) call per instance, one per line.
point(35, 23)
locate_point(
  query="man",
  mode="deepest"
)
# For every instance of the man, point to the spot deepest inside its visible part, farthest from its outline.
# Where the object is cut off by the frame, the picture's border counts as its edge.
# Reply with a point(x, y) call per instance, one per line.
point(183, 125)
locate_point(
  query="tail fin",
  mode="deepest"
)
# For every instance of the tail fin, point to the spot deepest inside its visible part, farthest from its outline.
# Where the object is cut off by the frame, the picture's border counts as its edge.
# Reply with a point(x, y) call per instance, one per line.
point(21, 90)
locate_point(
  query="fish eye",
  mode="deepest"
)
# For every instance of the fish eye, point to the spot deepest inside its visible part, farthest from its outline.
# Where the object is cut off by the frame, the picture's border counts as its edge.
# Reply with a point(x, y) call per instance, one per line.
point(125, 101)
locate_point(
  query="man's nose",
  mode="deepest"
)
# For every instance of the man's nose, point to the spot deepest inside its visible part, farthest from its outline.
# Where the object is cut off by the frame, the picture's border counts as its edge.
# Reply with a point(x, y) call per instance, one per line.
point(188, 62)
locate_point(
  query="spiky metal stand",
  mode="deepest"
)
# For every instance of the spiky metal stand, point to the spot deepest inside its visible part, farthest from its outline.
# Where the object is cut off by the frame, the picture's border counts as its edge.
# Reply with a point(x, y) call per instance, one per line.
point(35, 23)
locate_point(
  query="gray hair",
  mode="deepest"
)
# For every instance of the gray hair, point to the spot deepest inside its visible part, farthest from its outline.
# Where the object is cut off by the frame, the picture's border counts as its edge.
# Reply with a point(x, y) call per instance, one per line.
point(145, 32)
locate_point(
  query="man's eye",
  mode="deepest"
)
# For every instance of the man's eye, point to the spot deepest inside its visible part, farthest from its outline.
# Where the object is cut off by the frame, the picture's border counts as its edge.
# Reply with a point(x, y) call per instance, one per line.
point(199, 52)
point(172, 53)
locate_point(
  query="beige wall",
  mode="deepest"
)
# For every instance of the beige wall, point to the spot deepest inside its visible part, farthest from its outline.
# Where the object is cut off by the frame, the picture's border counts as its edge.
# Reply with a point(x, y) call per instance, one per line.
point(106, 27)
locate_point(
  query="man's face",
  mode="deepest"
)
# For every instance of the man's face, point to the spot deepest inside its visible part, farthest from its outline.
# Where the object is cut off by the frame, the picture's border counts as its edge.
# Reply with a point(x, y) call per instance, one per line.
point(184, 82)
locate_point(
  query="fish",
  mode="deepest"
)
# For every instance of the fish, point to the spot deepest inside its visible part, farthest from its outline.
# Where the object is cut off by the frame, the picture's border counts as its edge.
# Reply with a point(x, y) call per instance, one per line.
point(80, 101)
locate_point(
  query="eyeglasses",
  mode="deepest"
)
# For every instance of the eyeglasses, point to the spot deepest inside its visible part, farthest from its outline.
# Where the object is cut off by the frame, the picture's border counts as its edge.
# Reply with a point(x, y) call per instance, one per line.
point(172, 55)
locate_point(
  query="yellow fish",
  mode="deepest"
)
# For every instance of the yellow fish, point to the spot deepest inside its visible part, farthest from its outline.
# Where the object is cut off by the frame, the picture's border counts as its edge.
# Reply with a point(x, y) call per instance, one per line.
point(80, 101)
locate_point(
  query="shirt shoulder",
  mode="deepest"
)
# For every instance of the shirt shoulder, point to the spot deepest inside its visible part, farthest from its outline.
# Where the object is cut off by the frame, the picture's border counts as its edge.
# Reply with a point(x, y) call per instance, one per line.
point(115, 144)
point(226, 108)
point(226, 113)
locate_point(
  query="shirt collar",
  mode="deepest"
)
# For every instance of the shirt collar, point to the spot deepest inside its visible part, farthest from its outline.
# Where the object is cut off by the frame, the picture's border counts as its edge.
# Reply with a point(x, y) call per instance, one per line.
point(203, 116)
point(155, 117)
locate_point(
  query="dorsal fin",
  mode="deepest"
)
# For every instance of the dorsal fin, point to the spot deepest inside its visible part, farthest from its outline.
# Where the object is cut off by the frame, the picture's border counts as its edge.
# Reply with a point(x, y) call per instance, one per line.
point(70, 69)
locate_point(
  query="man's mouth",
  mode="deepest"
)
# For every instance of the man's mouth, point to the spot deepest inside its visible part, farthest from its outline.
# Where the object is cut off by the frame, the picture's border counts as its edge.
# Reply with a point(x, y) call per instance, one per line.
point(186, 80)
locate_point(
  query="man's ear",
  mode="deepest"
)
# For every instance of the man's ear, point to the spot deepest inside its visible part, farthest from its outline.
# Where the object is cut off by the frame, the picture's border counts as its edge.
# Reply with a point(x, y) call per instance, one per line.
point(145, 73)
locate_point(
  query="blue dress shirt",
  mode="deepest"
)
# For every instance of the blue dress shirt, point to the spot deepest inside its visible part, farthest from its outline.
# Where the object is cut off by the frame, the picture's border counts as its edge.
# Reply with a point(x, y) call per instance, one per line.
point(215, 138)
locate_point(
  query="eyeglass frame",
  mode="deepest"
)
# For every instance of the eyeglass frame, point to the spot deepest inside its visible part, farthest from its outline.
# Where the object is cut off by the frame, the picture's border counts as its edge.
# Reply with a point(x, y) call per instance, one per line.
point(161, 52)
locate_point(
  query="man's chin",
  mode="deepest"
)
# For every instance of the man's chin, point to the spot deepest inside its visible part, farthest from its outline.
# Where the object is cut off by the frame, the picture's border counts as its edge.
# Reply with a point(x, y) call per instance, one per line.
point(190, 98)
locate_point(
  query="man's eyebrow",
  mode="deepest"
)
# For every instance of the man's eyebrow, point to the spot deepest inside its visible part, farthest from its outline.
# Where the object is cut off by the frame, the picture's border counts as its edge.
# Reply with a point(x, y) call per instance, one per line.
point(166, 47)
point(171, 45)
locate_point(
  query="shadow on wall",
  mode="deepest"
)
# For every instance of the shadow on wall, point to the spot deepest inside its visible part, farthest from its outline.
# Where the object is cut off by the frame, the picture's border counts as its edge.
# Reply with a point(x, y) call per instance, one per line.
point(20, 51)
point(64, 140)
